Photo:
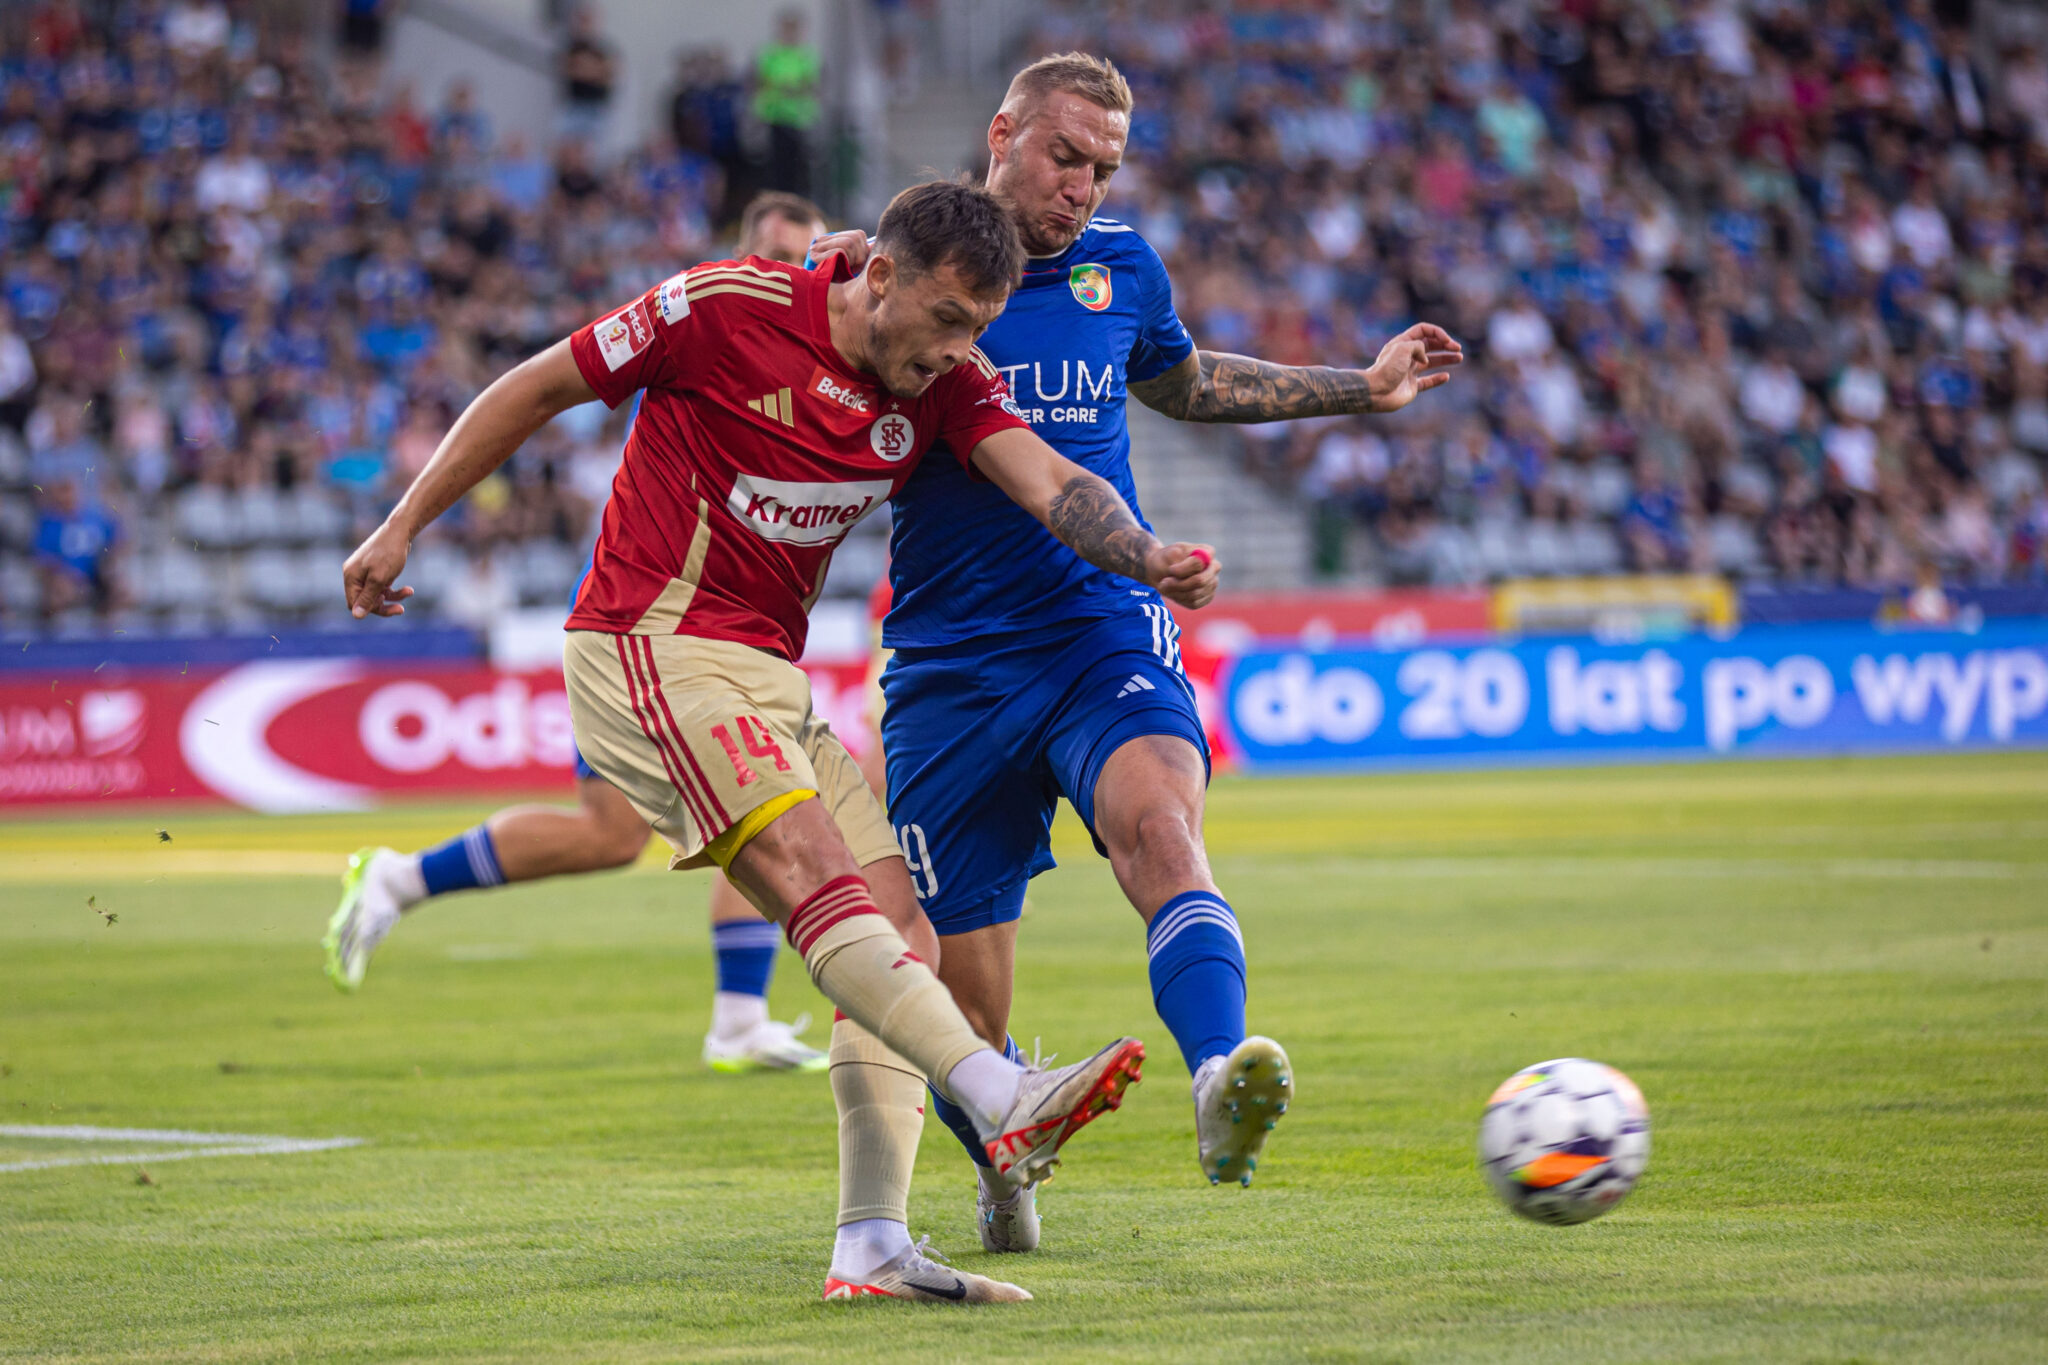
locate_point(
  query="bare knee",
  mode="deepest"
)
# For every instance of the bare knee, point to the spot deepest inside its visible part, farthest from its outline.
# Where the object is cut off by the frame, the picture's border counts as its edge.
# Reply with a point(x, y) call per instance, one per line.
point(620, 846)
point(1161, 837)
point(616, 833)
point(988, 1017)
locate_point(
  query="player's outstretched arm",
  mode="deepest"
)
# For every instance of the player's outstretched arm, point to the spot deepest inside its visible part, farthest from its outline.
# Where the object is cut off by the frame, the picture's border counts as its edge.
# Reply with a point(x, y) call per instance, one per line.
point(522, 400)
point(1091, 518)
point(1212, 386)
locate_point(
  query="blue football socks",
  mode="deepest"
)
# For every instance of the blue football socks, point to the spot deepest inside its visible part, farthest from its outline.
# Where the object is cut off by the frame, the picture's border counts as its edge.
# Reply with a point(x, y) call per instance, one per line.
point(746, 951)
point(955, 1118)
point(1197, 969)
point(468, 860)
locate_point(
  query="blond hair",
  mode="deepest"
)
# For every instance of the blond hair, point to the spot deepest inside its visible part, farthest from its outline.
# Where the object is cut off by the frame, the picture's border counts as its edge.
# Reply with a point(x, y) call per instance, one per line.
point(1094, 79)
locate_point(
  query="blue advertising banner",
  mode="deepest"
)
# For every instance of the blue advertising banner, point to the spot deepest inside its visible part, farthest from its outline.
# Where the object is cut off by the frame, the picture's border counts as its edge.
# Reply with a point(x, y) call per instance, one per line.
point(1813, 690)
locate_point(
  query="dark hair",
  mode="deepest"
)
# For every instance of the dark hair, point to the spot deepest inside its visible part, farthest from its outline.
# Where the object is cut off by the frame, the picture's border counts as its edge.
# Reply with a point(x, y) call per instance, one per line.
point(792, 208)
point(950, 222)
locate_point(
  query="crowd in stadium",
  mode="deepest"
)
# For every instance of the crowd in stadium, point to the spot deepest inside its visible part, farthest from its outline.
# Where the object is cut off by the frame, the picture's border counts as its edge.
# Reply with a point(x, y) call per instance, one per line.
point(1754, 288)
point(245, 289)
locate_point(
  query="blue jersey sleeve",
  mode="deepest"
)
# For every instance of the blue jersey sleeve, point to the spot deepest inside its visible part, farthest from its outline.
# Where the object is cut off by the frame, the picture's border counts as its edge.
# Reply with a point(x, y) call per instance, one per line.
point(1163, 342)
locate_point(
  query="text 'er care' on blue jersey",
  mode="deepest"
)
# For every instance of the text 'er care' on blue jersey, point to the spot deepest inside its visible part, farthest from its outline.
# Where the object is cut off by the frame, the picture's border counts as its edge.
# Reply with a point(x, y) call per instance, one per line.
point(964, 560)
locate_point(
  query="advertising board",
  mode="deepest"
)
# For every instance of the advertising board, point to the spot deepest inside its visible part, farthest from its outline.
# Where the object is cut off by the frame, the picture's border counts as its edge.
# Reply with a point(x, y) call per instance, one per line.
point(1822, 690)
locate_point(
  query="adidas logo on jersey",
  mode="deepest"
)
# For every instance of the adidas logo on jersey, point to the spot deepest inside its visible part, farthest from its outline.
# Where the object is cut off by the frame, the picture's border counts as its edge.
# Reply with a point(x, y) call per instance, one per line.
point(775, 406)
point(1138, 683)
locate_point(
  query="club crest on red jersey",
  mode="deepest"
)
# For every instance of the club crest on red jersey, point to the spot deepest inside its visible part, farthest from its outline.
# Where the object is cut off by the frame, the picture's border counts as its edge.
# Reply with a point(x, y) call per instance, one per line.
point(892, 436)
point(1090, 283)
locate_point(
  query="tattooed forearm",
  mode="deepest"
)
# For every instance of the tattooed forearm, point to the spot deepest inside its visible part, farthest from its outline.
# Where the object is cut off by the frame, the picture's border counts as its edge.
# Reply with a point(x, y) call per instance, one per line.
point(1211, 386)
point(1093, 521)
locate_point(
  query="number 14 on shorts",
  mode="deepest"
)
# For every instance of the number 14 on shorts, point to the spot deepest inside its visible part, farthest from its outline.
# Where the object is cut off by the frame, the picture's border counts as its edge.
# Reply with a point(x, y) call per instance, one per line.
point(759, 742)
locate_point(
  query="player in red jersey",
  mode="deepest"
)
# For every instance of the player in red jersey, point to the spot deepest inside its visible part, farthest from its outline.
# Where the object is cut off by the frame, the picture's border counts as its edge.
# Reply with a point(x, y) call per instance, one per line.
point(602, 831)
point(782, 406)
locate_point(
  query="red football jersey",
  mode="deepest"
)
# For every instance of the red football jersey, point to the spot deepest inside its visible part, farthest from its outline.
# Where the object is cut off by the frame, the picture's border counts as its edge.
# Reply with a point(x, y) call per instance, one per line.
point(756, 449)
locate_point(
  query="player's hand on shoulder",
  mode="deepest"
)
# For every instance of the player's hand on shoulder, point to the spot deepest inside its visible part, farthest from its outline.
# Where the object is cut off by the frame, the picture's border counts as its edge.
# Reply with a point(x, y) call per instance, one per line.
point(849, 242)
point(1184, 573)
point(1414, 362)
point(369, 573)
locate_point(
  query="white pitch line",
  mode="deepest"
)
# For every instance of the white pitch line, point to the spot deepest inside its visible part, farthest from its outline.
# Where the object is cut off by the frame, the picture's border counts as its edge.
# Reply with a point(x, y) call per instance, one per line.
point(223, 1144)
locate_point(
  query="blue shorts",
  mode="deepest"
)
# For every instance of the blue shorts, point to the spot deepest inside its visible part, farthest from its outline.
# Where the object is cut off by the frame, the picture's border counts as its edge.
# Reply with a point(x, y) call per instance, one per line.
point(583, 769)
point(984, 737)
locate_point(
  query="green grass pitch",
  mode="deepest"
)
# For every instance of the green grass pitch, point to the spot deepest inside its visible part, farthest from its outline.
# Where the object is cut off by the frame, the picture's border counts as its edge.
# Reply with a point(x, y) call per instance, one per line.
point(1829, 978)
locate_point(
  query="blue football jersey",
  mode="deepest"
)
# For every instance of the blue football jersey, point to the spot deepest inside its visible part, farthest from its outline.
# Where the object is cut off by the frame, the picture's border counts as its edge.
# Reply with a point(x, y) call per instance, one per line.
point(964, 559)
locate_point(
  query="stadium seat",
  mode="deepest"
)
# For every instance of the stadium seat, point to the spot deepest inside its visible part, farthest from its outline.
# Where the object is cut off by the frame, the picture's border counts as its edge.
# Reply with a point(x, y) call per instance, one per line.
point(264, 514)
point(1736, 548)
point(211, 517)
point(21, 590)
point(1606, 488)
point(17, 523)
point(1594, 548)
point(1545, 549)
point(1454, 559)
point(1499, 542)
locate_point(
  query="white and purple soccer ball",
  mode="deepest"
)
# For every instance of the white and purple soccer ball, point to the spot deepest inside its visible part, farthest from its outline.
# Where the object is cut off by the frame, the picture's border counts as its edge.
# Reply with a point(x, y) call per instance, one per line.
point(1564, 1141)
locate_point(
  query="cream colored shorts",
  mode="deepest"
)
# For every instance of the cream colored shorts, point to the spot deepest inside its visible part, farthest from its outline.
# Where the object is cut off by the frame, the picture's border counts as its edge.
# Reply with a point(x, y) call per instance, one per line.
point(699, 733)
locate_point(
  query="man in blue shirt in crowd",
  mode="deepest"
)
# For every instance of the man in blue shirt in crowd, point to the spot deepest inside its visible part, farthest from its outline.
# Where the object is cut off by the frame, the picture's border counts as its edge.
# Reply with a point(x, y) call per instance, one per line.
point(75, 541)
point(1022, 674)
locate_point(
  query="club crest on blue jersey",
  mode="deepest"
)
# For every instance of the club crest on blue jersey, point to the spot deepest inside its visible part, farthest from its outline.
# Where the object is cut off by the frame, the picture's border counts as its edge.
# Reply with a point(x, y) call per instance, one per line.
point(1090, 283)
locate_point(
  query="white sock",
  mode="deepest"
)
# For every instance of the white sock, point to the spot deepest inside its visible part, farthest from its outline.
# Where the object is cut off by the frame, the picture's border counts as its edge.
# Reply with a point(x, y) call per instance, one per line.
point(403, 878)
point(735, 1014)
point(865, 1246)
point(985, 1084)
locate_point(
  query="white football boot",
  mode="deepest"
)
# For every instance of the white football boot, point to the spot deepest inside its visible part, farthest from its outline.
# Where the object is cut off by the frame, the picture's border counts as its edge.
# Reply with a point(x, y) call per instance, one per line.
point(914, 1274)
point(368, 909)
point(1238, 1100)
point(1051, 1105)
point(1007, 1224)
point(768, 1046)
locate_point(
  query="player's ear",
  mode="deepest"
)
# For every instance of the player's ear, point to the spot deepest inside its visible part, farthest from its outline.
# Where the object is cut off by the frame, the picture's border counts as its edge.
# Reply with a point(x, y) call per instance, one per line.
point(1002, 131)
point(881, 273)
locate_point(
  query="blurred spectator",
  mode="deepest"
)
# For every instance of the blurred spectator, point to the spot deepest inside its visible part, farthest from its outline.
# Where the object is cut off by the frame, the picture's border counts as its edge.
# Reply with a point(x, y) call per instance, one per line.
point(786, 102)
point(1754, 287)
point(705, 113)
point(17, 374)
point(362, 27)
point(1781, 260)
point(587, 70)
point(75, 544)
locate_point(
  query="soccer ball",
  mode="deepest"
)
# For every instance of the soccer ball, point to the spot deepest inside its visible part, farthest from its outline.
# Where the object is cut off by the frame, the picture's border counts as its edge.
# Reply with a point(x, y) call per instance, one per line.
point(1564, 1141)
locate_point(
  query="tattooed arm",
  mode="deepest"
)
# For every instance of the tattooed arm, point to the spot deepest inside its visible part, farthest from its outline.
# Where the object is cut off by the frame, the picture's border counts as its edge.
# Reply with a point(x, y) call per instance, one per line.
point(1091, 518)
point(1211, 386)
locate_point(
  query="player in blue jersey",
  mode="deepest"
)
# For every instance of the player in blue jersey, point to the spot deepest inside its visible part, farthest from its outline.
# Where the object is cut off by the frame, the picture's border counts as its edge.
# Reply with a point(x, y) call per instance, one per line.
point(602, 831)
point(1022, 674)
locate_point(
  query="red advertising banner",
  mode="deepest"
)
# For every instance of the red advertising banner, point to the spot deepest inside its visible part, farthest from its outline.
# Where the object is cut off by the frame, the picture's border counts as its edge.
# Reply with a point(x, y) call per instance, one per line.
point(345, 734)
point(310, 734)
